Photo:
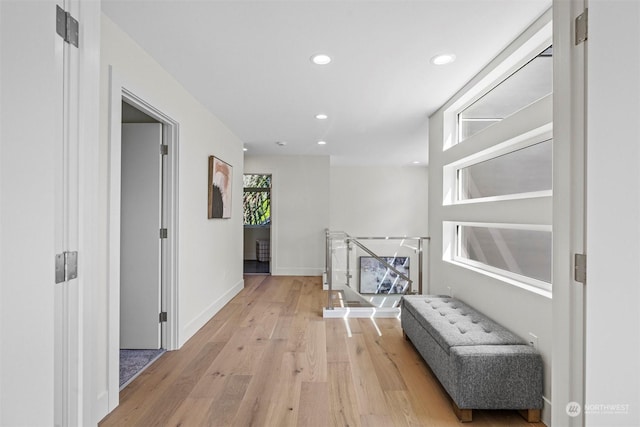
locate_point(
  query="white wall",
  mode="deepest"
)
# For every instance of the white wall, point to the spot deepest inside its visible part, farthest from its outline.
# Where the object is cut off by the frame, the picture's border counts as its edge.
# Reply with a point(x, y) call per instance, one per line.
point(613, 215)
point(210, 251)
point(520, 310)
point(379, 200)
point(299, 211)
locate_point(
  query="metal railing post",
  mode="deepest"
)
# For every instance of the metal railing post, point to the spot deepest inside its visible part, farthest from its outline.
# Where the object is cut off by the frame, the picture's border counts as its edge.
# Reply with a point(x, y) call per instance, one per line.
point(420, 259)
point(329, 268)
point(348, 262)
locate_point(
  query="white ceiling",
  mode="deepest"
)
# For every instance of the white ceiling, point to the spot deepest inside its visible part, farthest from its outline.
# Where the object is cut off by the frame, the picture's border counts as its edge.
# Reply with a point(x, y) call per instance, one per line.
point(248, 62)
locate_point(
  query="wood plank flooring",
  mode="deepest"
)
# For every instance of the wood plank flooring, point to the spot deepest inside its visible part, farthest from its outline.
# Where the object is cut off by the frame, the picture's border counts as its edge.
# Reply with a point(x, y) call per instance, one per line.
point(268, 358)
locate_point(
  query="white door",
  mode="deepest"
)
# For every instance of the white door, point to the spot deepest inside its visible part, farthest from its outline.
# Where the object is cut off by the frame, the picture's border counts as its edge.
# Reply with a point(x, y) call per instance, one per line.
point(31, 92)
point(612, 368)
point(42, 179)
point(140, 250)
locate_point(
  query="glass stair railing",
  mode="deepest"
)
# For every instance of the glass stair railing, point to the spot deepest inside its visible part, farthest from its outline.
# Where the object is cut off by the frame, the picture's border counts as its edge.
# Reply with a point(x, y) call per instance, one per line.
point(367, 276)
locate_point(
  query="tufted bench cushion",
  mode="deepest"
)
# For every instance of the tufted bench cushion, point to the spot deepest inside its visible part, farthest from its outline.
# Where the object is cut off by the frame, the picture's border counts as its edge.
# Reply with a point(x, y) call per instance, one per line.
point(480, 363)
point(453, 323)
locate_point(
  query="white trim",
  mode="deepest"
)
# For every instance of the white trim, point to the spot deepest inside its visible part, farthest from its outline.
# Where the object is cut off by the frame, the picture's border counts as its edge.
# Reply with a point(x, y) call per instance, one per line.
point(273, 250)
point(170, 266)
point(113, 266)
point(101, 407)
point(360, 312)
point(495, 149)
point(298, 271)
point(569, 200)
point(527, 283)
point(532, 41)
point(546, 411)
point(524, 140)
point(449, 254)
point(201, 319)
point(509, 226)
point(119, 90)
point(89, 206)
point(517, 196)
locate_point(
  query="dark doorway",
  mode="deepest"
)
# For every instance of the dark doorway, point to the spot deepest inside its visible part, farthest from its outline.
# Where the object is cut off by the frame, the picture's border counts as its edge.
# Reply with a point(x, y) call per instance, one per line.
point(257, 223)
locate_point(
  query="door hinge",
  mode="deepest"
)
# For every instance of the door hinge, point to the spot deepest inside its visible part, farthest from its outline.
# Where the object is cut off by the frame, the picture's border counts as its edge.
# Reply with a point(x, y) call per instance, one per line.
point(164, 149)
point(67, 26)
point(163, 316)
point(163, 233)
point(580, 268)
point(582, 27)
point(66, 266)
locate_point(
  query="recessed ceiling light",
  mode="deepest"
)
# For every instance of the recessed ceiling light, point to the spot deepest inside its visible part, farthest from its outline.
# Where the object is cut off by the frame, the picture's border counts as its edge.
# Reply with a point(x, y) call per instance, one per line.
point(322, 142)
point(321, 59)
point(245, 149)
point(443, 59)
point(322, 116)
point(416, 162)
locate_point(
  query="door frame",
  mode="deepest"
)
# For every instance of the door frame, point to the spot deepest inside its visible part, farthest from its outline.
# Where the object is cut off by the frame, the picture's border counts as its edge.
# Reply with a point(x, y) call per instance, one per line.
point(270, 273)
point(273, 249)
point(120, 90)
point(74, 397)
point(569, 210)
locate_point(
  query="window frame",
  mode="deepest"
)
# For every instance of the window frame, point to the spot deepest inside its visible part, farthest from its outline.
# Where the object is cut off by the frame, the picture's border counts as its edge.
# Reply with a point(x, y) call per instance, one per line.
point(528, 126)
point(509, 61)
point(258, 190)
point(459, 185)
point(453, 256)
point(452, 182)
point(515, 68)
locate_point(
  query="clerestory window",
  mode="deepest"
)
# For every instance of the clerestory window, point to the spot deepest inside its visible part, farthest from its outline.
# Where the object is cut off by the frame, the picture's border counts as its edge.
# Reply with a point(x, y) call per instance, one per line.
point(257, 199)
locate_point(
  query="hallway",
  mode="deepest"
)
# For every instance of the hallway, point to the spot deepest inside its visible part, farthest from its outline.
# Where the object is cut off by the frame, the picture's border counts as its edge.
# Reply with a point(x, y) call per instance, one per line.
point(268, 358)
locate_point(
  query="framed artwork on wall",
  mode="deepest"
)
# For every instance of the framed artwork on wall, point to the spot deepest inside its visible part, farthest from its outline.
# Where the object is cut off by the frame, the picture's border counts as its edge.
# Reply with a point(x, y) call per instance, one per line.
point(220, 178)
point(377, 278)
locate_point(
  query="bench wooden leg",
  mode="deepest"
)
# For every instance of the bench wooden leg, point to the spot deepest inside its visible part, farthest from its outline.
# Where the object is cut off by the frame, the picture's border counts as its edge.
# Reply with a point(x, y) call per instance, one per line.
point(464, 415)
point(531, 415)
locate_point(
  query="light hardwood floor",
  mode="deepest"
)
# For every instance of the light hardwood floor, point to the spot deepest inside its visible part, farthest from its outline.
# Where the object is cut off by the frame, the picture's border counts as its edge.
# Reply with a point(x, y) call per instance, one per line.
point(268, 358)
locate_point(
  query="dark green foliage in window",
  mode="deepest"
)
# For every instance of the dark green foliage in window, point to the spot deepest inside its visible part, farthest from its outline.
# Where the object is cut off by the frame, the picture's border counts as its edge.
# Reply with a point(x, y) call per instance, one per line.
point(257, 199)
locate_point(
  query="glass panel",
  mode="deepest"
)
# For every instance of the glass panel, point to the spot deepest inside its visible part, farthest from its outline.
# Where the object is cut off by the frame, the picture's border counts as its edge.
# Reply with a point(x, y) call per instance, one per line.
point(257, 208)
point(257, 181)
point(524, 252)
point(522, 171)
point(530, 83)
point(257, 199)
point(377, 278)
point(356, 278)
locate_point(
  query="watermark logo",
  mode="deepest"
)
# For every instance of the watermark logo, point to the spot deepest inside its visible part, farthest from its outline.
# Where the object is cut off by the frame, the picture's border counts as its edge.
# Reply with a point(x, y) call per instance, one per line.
point(573, 409)
point(607, 408)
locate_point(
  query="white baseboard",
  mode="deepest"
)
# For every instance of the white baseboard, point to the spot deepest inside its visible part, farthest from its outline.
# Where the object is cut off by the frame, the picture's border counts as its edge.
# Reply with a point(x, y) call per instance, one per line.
point(546, 412)
point(302, 271)
point(360, 312)
point(194, 326)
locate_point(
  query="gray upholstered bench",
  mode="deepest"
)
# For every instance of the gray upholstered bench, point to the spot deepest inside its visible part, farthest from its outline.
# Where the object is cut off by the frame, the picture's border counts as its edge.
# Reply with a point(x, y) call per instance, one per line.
point(481, 364)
